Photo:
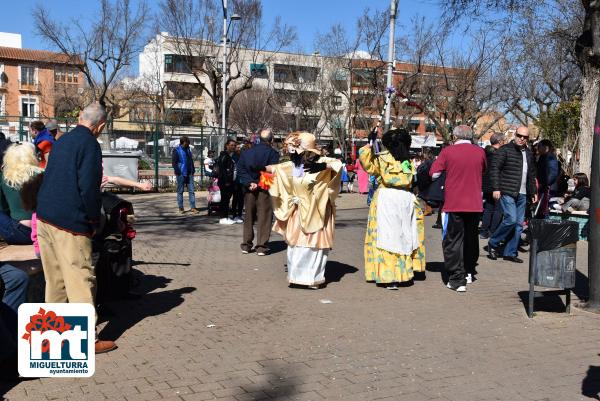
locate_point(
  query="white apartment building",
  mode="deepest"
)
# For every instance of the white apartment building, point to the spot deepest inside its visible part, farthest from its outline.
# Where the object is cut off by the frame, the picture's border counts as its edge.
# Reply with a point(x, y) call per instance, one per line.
point(302, 85)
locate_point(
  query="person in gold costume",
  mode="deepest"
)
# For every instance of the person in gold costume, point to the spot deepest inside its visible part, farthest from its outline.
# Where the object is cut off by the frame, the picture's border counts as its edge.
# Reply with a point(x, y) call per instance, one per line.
point(303, 192)
point(394, 241)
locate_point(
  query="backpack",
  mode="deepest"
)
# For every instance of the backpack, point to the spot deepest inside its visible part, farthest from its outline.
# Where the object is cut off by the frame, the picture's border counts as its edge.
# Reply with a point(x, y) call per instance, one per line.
point(423, 178)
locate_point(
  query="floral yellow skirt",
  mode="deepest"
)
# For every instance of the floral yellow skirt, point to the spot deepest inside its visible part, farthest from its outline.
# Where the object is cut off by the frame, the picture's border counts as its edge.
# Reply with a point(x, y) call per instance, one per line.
point(382, 266)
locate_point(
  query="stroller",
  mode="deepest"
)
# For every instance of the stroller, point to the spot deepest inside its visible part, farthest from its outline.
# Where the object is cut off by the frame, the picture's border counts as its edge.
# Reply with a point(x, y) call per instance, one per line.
point(214, 196)
point(112, 250)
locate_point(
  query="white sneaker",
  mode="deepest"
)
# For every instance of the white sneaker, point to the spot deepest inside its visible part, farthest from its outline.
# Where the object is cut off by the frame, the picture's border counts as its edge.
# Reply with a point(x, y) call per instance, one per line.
point(469, 278)
point(226, 221)
point(461, 288)
point(557, 207)
point(238, 220)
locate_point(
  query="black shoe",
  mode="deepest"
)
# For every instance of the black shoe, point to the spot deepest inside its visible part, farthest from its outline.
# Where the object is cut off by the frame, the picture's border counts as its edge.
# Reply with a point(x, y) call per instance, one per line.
point(492, 252)
point(484, 236)
point(522, 250)
point(513, 259)
point(436, 225)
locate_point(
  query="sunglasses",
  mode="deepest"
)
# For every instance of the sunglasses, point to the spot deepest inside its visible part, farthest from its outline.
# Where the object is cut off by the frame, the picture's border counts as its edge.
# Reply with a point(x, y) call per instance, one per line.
point(522, 136)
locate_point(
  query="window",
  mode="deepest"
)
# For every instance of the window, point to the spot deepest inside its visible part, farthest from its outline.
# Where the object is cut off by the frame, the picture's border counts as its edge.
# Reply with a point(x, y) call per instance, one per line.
point(282, 74)
point(2, 106)
point(28, 107)
point(141, 113)
point(336, 101)
point(259, 71)
point(363, 77)
point(295, 74)
point(27, 75)
point(3, 77)
point(413, 125)
point(183, 90)
point(182, 64)
point(63, 74)
point(185, 116)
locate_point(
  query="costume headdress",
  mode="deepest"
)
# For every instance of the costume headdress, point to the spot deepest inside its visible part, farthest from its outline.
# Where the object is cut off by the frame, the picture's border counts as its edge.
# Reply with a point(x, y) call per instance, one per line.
point(299, 142)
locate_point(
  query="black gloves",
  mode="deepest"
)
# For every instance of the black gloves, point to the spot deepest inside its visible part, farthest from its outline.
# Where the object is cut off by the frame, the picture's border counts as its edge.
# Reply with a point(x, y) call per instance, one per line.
point(314, 167)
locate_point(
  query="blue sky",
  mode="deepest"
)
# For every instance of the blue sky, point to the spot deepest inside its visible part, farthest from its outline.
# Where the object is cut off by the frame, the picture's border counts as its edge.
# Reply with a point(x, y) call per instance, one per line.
point(308, 16)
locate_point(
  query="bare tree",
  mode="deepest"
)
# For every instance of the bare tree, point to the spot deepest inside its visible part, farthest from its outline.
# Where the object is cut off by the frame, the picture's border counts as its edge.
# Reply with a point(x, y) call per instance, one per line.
point(251, 111)
point(107, 44)
point(574, 22)
point(194, 35)
point(354, 85)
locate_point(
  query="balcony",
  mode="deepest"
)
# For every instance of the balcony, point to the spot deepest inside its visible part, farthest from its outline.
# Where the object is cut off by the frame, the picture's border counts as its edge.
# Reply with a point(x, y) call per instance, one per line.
point(29, 86)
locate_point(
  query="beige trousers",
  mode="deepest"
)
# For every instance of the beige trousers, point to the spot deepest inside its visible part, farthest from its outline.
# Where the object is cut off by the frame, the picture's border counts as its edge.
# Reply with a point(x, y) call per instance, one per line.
point(67, 262)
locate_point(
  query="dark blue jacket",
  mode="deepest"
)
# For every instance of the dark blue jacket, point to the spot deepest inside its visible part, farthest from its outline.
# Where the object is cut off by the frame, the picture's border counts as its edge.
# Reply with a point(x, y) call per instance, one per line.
point(43, 135)
point(70, 197)
point(547, 170)
point(180, 168)
point(259, 155)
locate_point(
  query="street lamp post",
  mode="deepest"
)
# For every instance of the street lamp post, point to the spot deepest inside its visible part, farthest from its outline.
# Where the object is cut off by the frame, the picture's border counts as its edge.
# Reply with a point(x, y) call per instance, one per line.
point(224, 72)
point(391, 45)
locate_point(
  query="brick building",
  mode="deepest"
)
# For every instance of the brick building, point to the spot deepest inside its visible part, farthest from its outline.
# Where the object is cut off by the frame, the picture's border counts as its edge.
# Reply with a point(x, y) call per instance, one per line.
point(35, 83)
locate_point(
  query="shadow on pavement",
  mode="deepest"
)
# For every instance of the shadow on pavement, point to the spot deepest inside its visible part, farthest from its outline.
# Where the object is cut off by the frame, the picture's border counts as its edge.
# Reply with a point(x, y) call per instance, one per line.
point(141, 262)
point(590, 386)
point(277, 246)
point(548, 302)
point(130, 313)
point(280, 383)
point(437, 267)
point(582, 286)
point(334, 271)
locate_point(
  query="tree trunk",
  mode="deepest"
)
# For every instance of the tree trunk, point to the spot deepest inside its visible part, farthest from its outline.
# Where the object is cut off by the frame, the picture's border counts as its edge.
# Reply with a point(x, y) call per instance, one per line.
point(591, 90)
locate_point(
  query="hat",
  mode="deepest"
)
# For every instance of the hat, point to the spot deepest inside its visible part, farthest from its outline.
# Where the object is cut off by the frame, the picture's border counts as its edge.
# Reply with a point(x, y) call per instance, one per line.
point(301, 142)
point(51, 125)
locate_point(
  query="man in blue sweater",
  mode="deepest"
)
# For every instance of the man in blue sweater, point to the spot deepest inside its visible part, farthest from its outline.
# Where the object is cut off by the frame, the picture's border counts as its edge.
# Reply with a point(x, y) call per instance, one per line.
point(68, 211)
point(183, 165)
point(257, 201)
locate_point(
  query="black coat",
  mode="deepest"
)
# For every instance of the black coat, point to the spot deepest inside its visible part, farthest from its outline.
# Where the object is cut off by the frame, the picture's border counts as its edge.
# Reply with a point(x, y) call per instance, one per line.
point(486, 185)
point(225, 170)
point(431, 191)
point(506, 170)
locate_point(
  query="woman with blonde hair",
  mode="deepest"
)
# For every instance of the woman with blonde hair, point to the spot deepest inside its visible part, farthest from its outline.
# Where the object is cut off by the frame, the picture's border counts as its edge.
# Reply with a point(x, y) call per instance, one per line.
point(20, 165)
point(303, 193)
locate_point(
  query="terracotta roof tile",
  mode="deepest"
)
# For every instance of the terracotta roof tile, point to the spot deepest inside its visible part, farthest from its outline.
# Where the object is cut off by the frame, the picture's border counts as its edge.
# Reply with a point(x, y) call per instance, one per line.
point(12, 53)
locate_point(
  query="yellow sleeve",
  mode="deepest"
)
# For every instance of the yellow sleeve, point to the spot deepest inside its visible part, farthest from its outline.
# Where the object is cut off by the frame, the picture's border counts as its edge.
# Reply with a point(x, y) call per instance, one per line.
point(368, 160)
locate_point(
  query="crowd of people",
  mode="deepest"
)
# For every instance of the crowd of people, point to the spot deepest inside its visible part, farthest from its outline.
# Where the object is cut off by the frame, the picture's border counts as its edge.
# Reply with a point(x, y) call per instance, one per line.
point(50, 197)
point(480, 193)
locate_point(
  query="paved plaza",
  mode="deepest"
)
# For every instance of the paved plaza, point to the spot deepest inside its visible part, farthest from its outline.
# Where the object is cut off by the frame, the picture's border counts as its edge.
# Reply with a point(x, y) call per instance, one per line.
point(214, 324)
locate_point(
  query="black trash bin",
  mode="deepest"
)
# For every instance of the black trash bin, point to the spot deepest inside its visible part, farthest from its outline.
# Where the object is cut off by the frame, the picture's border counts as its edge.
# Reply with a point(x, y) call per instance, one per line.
point(552, 261)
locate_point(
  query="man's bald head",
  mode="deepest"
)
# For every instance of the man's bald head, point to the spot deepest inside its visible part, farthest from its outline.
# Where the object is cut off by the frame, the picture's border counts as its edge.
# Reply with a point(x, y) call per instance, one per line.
point(523, 130)
point(522, 136)
point(266, 136)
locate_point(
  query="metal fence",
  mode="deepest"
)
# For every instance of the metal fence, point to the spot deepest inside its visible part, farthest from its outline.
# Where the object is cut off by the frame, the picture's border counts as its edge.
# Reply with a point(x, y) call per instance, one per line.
point(154, 140)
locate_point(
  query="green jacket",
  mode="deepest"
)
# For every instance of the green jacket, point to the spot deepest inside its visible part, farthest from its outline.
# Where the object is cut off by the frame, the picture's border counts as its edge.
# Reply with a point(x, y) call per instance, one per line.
point(10, 202)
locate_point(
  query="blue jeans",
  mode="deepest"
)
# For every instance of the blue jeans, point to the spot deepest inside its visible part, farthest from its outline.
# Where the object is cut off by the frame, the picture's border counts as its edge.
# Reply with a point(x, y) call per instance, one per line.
point(13, 232)
point(511, 227)
point(182, 183)
point(16, 282)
